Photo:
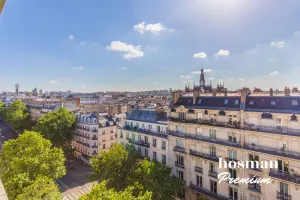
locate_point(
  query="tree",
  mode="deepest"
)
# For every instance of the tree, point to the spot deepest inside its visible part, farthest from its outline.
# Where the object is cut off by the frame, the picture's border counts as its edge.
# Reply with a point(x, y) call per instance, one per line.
point(115, 166)
point(16, 115)
point(2, 105)
point(157, 178)
point(99, 192)
point(57, 126)
point(42, 188)
point(26, 158)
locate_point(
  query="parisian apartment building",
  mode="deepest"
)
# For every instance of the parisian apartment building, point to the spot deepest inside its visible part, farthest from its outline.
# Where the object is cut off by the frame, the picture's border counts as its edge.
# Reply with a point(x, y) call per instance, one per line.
point(95, 133)
point(205, 124)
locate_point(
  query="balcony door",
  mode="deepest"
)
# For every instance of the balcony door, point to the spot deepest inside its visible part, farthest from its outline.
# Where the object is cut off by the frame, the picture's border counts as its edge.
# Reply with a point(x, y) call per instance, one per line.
point(284, 189)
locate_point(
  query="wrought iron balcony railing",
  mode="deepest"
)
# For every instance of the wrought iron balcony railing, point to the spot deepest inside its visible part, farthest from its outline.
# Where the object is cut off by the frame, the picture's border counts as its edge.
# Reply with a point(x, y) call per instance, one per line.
point(178, 164)
point(140, 143)
point(179, 149)
point(287, 176)
point(199, 169)
point(204, 155)
point(144, 131)
point(207, 192)
point(283, 196)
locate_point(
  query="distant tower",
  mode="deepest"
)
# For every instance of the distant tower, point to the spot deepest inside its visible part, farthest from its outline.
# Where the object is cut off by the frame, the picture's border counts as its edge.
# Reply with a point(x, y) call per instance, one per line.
point(40, 92)
point(17, 88)
point(202, 80)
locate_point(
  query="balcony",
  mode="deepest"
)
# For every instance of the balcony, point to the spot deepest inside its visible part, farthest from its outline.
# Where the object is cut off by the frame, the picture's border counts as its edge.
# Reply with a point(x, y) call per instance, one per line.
point(287, 176)
point(273, 151)
point(94, 131)
point(94, 146)
point(178, 164)
point(205, 139)
point(94, 138)
point(276, 130)
point(207, 192)
point(208, 122)
point(140, 143)
point(213, 174)
point(179, 149)
point(254, 188)
point(144, 131)
point(204, 156)
point(283, 196)
point(199, 169)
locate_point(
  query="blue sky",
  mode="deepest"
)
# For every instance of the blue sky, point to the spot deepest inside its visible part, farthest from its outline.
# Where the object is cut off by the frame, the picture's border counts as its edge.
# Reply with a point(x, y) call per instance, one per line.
point(148, 44)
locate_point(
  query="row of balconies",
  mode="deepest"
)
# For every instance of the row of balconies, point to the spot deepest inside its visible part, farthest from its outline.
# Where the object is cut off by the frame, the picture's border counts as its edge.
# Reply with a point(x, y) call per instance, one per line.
point(85, 136)
point(206, 139)
point(87, 144)
point(87, 129)
point(140, 143)
point(145, 131)
point(253, 147)
point(268, 129)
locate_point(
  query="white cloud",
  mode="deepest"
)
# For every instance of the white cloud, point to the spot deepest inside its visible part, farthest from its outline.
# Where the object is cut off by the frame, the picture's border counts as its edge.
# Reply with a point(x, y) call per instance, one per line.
point(240, 79)
point(78, 68)
point(82, 43)
point(53, 81)
point(223, 52)
point(274, 73)
point(205, 71)
point(200, 55)
point(211, 78)
point(187, 76)
point(129, 50)
point(71, 37)
point(278, 44)
point(152, 28)
point(124, 68)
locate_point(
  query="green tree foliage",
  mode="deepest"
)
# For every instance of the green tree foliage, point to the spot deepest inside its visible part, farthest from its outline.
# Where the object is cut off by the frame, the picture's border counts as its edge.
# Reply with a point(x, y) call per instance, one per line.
point(115, 166)
point(121, 168)
point(157, 178)
point(99, 192)
point(16, 115)
point(43, 188)
point(26, 158)
point(57, 126)
point(2, 104)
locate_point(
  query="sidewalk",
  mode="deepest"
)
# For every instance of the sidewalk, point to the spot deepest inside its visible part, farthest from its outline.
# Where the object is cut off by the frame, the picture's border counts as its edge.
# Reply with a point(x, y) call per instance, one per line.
point(2, 192)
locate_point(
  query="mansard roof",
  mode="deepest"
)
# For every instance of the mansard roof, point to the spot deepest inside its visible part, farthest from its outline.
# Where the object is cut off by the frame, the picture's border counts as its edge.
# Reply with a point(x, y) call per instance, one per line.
point(210, 102)
point(150, 116)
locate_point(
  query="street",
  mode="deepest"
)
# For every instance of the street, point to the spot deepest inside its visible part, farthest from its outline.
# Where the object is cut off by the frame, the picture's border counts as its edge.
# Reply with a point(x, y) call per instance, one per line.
point(6, 133)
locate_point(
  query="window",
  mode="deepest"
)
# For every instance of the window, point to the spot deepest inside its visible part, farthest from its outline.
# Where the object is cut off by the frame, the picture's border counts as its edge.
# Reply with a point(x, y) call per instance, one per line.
point(149, 127)
point(199, 101)
point(282, 166)
point(212, 151)
point(232, 173)
point(226, 101)
point(139, 150)
point(199, 181)
point(163, 145)
point(133, 137)
point(137, 125)
point(284, 190)
point(212, 134)
point(179, 159)
point(212, 168)
point(143, 126)
point(103, 146)
point(273, 103)
point(146, 152)
point(181, 115)
point(251, 102)
point(154, 154)
point(139, 138)
point(154, 142)
point(198, 131)
point(213, 186)
point(232, 155)
point(179, 174)
point(254, 158)
point(233, 193)
point(236, 102)
point(232, 137)
point(294, 102)
point(163, 159)
point(158, 129)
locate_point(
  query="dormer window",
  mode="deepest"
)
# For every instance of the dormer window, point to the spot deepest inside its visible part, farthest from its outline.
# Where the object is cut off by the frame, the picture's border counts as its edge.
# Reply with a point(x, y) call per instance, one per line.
point(199, 101)
point(226, 101)
point(222, 113)
point(266, 116)
point(273, 103)
point(294, 102)
point(294, 118)
point(251, 102)
point(236, 102)
point(205, 112)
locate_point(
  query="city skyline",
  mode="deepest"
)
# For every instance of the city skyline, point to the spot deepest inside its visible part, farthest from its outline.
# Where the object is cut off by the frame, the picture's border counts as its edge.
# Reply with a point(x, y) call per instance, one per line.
point(116, 46)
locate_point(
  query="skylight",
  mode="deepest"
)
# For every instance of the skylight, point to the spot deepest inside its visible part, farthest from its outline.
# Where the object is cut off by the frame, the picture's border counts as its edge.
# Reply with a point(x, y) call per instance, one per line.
point(226, 101)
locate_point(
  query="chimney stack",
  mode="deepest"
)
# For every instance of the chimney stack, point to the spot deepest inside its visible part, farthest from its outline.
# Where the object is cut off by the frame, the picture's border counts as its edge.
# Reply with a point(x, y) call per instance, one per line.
point(175, 96)
point(225, 93)
point(287, 91)
point(271, 92)
point(214, 92)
